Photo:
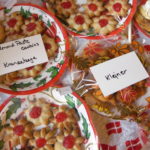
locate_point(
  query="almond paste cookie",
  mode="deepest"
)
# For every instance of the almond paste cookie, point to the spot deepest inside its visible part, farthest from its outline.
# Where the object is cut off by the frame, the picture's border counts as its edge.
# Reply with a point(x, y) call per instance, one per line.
point(13, 37)
point(2, 33)
point(64, 117)
point(39, 112)
point(104, 24)
point(13, 22)
point(44, 139)
point(32, 27)
point(93, 8)
point(71, 140)
point(50, 45)
point(19, 132)
point(30, 72)
point(79, 22)
point(9, 78)
point(118, 8)
point(66, 7)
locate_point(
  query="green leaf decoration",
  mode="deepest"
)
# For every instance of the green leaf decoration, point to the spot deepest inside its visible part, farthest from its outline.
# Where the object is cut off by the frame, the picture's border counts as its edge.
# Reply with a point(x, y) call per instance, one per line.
point(61, 62)
point(6, 10)
point(91, 34)
point(53, 70)
point(40, 17)
point(85, 128)
point(1, 144)
point(76, 31)
point(48, 23)
point(41, 82)
point(63, 21)
point(25, 13)
point(70, 101)
point(22, 85)
point(14, 107)
point(79, 102)
point(37, 77)
point(54, 73)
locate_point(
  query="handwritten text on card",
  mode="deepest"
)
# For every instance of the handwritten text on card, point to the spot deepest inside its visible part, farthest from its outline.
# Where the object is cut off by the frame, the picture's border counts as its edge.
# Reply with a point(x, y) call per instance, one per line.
point(119, 73)
point(22, 53)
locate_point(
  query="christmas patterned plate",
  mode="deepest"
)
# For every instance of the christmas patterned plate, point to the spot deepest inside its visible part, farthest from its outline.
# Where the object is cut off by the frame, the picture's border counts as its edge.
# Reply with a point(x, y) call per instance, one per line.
point(25, 20)
point(93, 19)
point(19, 106)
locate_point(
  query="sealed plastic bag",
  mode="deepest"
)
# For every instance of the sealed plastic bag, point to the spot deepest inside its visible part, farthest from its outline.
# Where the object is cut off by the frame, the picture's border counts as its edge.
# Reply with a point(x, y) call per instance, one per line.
point(126, 103)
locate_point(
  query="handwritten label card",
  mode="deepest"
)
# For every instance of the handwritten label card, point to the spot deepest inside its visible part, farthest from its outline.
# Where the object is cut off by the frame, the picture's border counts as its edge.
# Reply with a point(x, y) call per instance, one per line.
point(119, 73)
point(22, 53)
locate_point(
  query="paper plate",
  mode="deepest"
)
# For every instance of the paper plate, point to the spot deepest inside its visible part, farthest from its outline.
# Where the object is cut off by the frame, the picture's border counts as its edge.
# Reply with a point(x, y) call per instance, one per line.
point(138, 26)
point(122, 23)
point(53, 96)
point(55, 67)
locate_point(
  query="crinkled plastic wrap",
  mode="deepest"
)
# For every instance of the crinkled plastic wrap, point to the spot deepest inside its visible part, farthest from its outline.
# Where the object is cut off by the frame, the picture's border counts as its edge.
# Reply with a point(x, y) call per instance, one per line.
point(93, 19)
point(113, 133)
point(128, 103)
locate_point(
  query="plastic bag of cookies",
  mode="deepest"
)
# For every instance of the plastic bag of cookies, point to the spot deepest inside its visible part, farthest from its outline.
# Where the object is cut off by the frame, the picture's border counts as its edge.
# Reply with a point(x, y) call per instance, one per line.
point(128, 103)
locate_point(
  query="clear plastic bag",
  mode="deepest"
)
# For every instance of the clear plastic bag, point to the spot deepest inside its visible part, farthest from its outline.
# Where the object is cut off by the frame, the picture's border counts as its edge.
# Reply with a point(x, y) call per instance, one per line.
point(115, 106)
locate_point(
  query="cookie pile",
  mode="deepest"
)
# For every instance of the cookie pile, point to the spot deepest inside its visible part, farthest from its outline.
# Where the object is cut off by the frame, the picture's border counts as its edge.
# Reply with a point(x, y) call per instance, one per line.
point(44, 126)
point(99, 16)
point(17, 26)
point(113, 104)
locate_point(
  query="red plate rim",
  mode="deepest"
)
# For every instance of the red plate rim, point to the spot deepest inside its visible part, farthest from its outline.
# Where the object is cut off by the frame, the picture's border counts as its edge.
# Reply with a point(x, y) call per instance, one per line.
point(141, 30)
point(2, 106)
point(115, 32)
point(137, 25)
point(64, 66)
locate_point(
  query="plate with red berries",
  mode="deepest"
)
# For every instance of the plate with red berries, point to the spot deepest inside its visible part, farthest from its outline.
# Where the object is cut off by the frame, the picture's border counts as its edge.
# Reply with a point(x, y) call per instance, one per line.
point(46, 120)
point(25, 20)
point(93, 19)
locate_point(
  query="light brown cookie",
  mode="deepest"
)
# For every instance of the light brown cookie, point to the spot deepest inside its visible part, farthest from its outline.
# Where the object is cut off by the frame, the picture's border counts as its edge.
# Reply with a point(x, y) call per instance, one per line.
point(93, 8)
point(13, 22)
point(19, 132)
point(65, 7)
point(104, 24)
point(50, 45)
point(79, 22)
point(2, 33)
point(118, 8)
point(32, 27)
point(39, 112)
point(44, 139)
